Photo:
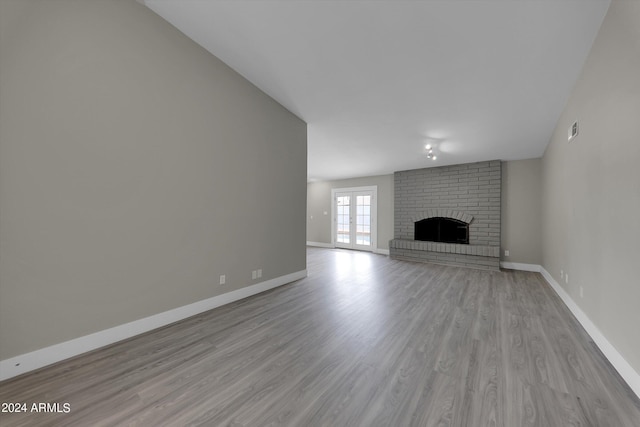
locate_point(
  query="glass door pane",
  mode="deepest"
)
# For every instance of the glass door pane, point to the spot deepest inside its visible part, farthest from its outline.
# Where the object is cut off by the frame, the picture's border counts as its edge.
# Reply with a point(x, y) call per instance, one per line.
point(343, 219)
point(363, 220)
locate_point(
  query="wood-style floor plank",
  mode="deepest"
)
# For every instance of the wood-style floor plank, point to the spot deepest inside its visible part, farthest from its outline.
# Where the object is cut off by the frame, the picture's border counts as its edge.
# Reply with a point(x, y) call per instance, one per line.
point(362, 341)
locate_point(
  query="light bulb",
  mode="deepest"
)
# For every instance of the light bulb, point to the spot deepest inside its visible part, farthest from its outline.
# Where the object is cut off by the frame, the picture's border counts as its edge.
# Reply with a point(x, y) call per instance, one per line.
point(434, 157)
point(428, 146)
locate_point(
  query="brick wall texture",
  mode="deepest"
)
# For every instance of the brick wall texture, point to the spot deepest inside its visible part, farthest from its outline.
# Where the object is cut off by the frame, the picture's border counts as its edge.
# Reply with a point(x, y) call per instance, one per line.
point(472, 189)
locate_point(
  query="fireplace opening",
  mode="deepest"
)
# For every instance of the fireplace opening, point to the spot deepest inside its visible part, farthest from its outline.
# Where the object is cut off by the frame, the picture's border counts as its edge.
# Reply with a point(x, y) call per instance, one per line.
point(445, 230)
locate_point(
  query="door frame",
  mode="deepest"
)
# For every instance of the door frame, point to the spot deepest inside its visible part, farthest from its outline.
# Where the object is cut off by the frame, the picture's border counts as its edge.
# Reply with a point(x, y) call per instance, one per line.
point(374, 214)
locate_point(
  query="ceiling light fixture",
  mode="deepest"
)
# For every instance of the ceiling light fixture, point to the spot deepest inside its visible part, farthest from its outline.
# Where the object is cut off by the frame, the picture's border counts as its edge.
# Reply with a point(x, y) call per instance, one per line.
point(430, 154)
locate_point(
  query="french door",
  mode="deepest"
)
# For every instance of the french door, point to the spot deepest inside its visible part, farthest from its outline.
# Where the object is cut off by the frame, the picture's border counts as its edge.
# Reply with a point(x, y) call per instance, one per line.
point(354, 222)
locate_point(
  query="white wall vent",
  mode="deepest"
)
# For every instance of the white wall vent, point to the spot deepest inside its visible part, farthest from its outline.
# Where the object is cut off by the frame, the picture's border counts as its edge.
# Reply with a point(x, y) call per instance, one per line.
point(573, 131)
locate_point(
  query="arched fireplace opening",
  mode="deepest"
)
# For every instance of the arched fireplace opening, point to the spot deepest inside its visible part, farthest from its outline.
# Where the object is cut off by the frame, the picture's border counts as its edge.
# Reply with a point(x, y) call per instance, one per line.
point(439, 229)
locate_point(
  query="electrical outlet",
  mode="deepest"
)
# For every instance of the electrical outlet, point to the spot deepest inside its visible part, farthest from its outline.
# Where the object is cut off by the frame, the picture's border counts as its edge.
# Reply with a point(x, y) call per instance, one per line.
point(259, 273)
point(506, 252)
point(566, 278)
point(581, 292)
point(223, 279)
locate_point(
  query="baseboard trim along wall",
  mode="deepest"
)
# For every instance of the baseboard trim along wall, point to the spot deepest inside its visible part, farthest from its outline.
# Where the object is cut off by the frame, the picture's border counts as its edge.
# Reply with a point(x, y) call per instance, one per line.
point(46, 356)
point(320, 244)
point(520, 266)
point(381, 251)
point(625, 370)
point(329, 245)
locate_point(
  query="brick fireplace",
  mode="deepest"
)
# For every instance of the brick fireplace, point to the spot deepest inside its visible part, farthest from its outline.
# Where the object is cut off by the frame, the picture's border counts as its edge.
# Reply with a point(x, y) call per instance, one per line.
point(469, 194)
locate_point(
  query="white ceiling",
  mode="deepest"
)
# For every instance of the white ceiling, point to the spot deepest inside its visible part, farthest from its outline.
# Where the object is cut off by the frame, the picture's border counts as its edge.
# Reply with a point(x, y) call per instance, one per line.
point(376, 80)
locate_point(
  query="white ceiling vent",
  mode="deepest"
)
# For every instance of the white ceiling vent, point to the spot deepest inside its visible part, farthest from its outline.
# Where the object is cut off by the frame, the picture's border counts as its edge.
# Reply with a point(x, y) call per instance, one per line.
point(573, 131)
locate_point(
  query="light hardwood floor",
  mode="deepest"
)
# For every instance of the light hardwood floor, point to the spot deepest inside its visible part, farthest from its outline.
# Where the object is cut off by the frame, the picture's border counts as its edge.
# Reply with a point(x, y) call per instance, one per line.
point(362, 341)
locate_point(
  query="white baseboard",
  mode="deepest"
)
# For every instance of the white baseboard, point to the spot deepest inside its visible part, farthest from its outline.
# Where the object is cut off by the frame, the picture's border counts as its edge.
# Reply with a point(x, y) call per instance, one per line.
point(320, 244)
point(625, 370)
point(329, 245)
point(46, 356)
point(520, 266)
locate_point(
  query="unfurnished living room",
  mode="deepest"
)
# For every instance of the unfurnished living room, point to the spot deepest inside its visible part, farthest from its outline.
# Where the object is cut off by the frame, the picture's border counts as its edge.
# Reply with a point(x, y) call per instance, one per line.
point(320, 213)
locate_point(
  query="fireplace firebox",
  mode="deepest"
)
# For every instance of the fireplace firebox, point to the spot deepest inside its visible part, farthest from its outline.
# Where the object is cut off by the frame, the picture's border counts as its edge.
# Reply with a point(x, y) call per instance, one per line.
point(439, 229)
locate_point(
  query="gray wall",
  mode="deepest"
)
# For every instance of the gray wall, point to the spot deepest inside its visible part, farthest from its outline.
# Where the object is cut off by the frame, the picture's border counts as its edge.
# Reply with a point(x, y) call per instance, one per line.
point(319, 201)
point(522, 211)
point(135, 168)
point(591, 186)
point(319, 212)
